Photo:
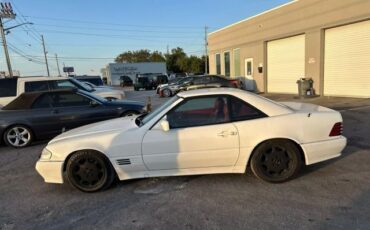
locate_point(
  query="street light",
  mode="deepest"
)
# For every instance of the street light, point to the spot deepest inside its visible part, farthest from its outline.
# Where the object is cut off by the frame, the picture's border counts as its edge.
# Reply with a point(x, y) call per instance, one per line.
point(7, 30)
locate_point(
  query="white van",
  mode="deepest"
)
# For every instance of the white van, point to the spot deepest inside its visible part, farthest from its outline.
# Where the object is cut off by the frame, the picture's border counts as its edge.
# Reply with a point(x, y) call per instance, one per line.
point(10, 88)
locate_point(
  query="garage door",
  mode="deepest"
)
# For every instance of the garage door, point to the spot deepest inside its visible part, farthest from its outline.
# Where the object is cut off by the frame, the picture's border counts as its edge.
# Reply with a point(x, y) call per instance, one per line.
point(347, 60)
point(285, 64)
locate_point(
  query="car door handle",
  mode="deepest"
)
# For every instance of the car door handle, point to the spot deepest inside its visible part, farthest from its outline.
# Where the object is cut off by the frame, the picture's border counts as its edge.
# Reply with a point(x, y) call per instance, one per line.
point(222, 134)
point(55, 111)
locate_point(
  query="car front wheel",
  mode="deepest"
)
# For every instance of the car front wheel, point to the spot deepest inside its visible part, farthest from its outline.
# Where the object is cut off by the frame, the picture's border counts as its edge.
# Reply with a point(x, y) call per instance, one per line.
point(89, 171)
point(276, 161)
point(166, 93)
point(18, 136)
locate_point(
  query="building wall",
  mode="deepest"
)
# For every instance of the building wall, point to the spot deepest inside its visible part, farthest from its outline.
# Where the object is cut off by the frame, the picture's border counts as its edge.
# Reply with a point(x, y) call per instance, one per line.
point(309, 17)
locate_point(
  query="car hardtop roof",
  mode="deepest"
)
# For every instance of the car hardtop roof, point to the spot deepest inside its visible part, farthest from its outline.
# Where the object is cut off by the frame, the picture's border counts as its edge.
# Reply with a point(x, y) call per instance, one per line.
point(211, 91)
point(25, 100)
point(42, 78)
point(66, 90)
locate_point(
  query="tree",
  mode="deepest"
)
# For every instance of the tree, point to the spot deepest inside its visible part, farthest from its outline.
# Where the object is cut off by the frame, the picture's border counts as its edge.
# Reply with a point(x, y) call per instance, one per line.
point(142, 55)
point(177, 61)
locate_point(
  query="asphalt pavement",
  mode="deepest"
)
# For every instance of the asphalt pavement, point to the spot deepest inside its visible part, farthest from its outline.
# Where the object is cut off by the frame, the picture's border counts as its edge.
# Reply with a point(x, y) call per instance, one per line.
point(331, 195)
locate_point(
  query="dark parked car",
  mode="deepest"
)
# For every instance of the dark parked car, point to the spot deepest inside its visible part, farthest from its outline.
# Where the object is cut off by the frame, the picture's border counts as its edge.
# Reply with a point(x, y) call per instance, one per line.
point(197, 82)
point(126, 81)
point(42, 115)
point(96, 80)
point(149, 81)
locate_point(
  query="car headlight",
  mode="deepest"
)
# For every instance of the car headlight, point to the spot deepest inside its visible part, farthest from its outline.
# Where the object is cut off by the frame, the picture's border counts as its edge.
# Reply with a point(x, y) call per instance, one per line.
point(45, 155)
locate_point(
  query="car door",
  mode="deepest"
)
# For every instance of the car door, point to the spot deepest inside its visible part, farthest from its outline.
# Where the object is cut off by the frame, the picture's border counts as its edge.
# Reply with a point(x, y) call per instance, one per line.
point(200, 136)
point(75, 109)
point(45, 123)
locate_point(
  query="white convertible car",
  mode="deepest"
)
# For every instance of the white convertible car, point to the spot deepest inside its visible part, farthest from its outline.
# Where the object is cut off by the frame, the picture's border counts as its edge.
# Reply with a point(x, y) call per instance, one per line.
point(197, 132)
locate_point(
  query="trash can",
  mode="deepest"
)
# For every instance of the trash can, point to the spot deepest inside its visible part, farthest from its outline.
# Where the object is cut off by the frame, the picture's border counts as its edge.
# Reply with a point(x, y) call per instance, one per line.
point(305, 87)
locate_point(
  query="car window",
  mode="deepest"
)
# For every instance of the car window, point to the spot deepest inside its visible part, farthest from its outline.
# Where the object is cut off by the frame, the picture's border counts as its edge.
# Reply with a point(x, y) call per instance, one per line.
point(36, 86)
point(8, 87)
point(62, 84)
point(198, 80)
point(216, 79)
point(199, 111)
point(44, 101)
point(240, 110)
point(69, 100)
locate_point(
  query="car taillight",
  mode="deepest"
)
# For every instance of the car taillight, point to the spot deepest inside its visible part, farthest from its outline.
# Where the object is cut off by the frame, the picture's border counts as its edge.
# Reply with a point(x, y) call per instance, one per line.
point(336, 130)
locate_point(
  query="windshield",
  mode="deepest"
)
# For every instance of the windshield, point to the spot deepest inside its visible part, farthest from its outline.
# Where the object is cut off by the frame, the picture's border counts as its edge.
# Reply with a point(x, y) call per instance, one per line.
point(82, 86)
point(157, 111)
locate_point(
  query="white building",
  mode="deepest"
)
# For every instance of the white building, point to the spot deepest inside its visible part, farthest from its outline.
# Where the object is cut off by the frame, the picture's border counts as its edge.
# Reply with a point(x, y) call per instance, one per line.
point(113, 71)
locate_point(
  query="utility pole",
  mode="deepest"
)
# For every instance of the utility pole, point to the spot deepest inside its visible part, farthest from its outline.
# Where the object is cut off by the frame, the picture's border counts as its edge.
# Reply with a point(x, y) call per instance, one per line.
point(6, 12)
point(46, 59)
point(206, 50)
point(56, 58)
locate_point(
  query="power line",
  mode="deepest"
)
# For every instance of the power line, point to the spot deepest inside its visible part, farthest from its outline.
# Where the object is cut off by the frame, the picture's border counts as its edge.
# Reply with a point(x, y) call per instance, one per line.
point(25, 55)
point(113, 24)
point(23, 18)
point(128, 36)
point(115, 29)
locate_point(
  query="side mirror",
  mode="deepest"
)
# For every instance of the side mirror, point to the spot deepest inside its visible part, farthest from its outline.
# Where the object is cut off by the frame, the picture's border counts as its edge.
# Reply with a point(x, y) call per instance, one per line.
point(165, 125)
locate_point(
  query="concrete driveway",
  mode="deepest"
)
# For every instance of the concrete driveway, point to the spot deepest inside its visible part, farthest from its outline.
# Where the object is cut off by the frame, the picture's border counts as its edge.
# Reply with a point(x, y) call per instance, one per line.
point(330, 195)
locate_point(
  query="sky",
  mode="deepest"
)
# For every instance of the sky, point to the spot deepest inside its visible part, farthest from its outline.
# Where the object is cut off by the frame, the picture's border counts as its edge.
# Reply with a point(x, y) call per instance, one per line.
point(89, 34)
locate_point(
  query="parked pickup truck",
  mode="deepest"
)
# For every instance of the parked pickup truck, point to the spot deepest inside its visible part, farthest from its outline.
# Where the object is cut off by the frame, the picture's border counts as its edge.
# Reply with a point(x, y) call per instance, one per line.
point(10, 88)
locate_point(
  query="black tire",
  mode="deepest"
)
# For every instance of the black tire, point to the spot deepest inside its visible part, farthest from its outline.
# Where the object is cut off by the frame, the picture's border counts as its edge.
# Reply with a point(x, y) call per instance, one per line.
point(276, 161)
point(136, 89)
point(129, 113)
point(166, 93)
point(18, 136)
point(89, 171)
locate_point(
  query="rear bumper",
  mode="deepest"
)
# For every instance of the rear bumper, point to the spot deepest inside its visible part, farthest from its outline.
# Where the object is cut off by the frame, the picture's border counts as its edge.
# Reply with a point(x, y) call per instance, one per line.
point(51, 171)
point(323, 150)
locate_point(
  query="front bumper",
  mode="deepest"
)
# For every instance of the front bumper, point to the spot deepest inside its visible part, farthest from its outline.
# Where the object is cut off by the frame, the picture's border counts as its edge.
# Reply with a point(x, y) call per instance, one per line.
point(323, 150)
point(51, 171)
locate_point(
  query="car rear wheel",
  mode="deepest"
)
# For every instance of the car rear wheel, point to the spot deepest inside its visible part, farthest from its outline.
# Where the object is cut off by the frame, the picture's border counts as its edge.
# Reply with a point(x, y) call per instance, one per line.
point(276, 161)
point(166, 93)
point(89, 171)
point(18, 136)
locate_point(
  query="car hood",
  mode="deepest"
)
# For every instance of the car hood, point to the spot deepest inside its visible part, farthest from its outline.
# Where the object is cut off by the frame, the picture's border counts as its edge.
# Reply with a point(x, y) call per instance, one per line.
point(114, 125)
point(102, 90)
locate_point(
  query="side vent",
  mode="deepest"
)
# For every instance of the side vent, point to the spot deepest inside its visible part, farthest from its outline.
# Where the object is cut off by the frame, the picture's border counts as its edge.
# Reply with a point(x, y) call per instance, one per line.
point(124, 162)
